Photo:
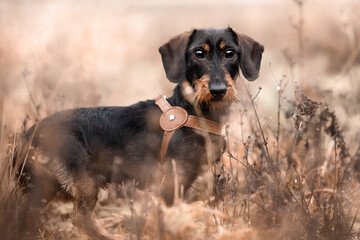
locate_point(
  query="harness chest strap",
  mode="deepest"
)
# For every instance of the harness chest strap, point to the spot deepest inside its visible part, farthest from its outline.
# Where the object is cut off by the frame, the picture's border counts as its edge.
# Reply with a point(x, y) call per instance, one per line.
point(174, 118)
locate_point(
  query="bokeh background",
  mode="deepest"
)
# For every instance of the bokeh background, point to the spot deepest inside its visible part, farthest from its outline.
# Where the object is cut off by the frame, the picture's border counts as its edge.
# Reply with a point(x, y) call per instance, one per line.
point(60, 54)
point(87, 53)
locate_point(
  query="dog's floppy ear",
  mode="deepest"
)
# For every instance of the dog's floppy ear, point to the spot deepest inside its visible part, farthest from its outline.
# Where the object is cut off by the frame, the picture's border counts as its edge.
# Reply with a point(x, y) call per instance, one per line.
point(173, 57)
point(251, 53)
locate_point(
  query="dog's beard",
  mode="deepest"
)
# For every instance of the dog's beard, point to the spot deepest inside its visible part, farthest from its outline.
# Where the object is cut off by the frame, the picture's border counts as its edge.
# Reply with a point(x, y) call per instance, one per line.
point(204, 99)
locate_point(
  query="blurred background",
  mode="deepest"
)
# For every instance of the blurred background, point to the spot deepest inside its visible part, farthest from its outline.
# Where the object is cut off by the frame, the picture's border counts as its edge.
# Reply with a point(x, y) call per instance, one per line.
point(87, 53)
point(61, 54)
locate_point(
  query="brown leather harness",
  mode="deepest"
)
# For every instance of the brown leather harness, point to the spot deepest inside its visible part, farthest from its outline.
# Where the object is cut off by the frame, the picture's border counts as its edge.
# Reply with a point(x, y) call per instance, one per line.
point(174, 118)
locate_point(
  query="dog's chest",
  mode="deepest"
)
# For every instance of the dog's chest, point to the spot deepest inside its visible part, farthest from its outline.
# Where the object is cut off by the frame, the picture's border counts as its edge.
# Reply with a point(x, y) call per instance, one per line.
point(196, 146)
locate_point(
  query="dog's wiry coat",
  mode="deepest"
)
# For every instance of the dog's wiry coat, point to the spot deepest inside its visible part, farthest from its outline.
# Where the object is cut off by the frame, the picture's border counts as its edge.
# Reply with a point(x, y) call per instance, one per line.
point(80, 150)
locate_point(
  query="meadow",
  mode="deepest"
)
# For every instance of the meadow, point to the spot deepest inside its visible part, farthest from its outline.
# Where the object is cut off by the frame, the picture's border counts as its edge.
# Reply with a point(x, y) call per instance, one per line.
point(292, 164)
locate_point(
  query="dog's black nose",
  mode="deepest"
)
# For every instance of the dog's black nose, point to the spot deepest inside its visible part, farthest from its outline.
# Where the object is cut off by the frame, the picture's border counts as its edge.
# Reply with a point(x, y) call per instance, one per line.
point(217, 90)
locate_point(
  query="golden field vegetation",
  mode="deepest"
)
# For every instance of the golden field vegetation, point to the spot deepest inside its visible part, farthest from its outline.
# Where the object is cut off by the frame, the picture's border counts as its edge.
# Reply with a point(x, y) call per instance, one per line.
point(292, 163)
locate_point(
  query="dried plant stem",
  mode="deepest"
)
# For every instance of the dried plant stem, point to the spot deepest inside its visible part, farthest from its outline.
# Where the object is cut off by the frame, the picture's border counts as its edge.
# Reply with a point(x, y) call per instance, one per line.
point(2, 117)
point(254, 173)
point(313, 194)
point(352, 224)
point(302, 191)
point(268, 157)
point(281, 90)
point(335, 157)
point(305, 211)
point(12, 152)
point(257, 94)
point(27, 151)
point(258, 204)
point(176, 183)
point(25, 74)
point(278, 125)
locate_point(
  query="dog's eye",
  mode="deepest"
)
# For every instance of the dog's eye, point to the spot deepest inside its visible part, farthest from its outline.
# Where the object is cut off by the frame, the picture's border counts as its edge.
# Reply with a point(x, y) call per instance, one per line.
point(199, 53)
point(229, 53)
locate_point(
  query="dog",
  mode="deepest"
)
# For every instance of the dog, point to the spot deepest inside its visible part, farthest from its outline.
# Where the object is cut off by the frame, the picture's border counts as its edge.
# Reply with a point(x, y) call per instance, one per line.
point(80, 150)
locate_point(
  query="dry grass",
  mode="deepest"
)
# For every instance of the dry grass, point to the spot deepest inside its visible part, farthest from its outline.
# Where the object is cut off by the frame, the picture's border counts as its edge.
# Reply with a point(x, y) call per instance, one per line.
point(292, 164)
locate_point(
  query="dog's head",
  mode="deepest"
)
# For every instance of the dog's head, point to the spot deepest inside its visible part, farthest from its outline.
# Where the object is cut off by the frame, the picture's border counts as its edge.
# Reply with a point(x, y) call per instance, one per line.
point(210, 59)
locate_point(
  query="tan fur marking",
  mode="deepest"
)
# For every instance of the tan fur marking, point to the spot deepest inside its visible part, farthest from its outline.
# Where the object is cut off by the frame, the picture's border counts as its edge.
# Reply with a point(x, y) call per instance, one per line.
point(203, 95)
point(202, 92)
point(206, 47)
point(222, 45)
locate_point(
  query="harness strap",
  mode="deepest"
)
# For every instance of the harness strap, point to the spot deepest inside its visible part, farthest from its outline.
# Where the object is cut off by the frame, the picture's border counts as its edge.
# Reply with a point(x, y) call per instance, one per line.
point(162, 103)
point(165, 144)
point(174, 118)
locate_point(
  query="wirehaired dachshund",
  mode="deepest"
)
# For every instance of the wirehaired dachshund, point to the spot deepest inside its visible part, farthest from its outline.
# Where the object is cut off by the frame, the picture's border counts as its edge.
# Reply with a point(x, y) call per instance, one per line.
point(78, 151)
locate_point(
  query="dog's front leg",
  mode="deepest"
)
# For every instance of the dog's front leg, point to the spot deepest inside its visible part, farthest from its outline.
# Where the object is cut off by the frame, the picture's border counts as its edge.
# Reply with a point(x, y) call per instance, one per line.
point(85, 196)
point(173, 178)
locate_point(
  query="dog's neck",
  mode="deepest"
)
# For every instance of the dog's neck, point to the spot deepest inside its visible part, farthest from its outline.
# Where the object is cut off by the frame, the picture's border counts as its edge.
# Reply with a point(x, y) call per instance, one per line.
point(178, 99)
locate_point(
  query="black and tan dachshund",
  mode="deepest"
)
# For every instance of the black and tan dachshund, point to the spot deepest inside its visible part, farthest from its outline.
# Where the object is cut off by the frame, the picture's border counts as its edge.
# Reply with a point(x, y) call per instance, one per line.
point(78, 151)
